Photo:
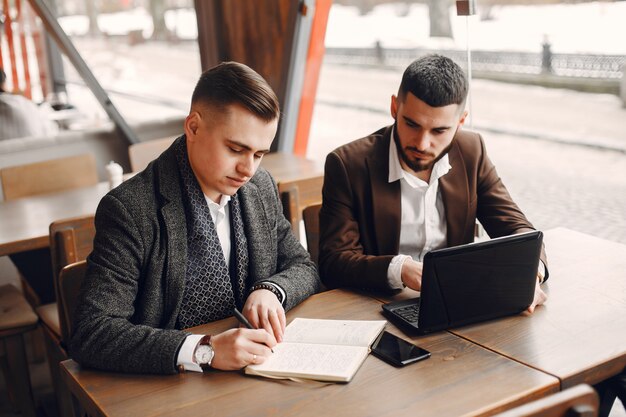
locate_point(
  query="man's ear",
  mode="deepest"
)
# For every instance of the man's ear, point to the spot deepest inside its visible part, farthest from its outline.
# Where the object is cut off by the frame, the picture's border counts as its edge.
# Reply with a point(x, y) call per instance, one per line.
point(192, 124)
point(394, 106)
point(463, 117)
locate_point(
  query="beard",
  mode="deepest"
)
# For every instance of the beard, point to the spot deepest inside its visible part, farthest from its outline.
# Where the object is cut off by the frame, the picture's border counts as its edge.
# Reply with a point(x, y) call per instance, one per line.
point(417, 164)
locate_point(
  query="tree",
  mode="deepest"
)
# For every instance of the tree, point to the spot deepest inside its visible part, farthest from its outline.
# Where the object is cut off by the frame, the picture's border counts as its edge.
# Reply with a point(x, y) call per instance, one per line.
point(439, 14)
point(157, 11)
point(92, 14)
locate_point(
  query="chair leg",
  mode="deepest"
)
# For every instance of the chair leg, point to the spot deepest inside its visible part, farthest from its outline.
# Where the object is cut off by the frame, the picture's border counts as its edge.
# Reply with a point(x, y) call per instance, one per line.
point(4, 364)
point(607, 398)
point(55, 355)
point(39, 345)
point(19, 374)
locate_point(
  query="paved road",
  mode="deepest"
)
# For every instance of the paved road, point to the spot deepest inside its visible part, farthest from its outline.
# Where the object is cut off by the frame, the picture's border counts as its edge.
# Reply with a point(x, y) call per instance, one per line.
point(556, 184)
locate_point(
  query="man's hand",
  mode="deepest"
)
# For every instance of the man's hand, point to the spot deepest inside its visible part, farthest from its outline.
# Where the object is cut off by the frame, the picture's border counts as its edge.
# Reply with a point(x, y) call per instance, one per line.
point(412, 274)
point(236, 348)
point(539, 299)
point(264, 311)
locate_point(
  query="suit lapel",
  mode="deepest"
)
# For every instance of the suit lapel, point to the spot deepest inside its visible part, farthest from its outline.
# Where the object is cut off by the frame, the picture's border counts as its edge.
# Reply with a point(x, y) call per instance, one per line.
point(386, 206)
point(455, 195)
point(173, 214)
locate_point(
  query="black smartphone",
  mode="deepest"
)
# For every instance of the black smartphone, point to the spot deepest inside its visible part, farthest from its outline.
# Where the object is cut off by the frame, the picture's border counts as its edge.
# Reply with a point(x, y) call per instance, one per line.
point(397, 351)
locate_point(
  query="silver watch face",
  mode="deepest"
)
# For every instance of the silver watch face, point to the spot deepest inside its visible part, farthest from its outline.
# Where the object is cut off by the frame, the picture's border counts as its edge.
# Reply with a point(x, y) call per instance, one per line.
point(204, 355)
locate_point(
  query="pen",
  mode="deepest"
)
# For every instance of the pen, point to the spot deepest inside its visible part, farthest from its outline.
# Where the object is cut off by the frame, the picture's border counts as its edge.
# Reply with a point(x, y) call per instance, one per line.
point(244, 321)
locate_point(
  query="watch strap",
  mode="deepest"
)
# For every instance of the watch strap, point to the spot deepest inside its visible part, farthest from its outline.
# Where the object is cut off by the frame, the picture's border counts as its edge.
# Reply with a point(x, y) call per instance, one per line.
point(206, 340)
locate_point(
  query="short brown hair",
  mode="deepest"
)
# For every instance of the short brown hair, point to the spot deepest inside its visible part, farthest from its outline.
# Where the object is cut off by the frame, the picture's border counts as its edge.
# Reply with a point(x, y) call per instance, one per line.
point(231, 82)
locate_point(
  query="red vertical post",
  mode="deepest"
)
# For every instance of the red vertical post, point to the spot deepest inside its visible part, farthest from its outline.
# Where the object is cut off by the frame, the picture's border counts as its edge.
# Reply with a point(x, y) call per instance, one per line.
point(40, 51)
point(1, 59)
point(9, 32)
point(313, 65)
point(22, 35)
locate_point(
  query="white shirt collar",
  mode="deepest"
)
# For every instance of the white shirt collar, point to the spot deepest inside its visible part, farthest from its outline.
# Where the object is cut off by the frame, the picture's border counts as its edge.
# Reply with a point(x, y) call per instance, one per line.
point(396, 172)
point(218, 210)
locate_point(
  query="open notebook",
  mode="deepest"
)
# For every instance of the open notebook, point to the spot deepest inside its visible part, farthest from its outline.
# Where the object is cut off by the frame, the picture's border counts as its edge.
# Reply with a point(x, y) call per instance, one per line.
point(324, 350)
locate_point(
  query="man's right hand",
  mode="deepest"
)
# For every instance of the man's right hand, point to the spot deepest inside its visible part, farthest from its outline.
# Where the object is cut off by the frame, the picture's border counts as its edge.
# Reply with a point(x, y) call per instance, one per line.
point(412, 274)
point(236, 348)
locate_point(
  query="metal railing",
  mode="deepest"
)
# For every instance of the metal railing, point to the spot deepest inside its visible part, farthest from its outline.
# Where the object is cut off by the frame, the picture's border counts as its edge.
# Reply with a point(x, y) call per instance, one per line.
point(566, 65)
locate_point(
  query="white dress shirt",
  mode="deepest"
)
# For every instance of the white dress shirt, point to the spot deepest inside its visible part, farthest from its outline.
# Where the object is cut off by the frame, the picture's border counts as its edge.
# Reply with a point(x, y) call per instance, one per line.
point(220, 213)
point(423, 219)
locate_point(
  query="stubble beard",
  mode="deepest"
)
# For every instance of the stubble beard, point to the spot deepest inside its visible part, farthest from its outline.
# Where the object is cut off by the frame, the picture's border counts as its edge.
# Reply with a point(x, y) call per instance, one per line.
point(417, 165)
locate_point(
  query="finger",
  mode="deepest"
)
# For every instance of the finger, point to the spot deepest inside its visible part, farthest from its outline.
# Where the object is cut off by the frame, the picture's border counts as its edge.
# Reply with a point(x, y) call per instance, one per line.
point(276, 325)
point(264, 321)
point(283, 320)
point(262, 337)
point(253, 317)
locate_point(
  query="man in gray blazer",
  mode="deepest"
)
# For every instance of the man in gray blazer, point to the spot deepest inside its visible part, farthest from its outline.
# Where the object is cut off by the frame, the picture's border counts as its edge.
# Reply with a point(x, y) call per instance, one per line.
point(199, 232)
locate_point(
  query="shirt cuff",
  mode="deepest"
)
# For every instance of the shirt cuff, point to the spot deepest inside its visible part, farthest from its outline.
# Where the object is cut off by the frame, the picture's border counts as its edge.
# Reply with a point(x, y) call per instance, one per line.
point(394, 272)
point(280, 290)
point(185, 354)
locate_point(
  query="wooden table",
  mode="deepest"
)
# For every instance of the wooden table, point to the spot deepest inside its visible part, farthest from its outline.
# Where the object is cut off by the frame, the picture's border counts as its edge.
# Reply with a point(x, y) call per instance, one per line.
point(579, 335)
point(25, 221)
point(460, 378)
point(288, 167)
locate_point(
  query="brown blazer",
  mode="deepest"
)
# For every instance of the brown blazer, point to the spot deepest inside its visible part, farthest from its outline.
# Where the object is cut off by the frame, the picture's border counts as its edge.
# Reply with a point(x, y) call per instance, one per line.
point(360, 215)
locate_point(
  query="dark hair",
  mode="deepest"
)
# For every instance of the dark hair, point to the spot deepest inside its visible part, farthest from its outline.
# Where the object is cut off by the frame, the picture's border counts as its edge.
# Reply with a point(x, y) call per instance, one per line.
point(231, 82)
point(3, 78)
point(436, 80)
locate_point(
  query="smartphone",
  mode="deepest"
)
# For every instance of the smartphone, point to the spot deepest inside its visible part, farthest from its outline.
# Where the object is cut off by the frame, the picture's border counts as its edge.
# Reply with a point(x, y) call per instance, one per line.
point(397, 351)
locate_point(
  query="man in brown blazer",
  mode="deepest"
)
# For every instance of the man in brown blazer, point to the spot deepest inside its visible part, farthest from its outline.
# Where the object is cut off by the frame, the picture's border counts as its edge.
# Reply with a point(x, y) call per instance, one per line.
point(412, 187)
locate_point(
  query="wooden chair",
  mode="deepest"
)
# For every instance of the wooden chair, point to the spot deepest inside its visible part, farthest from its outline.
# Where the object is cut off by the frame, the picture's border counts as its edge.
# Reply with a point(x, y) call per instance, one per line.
point(17, 318)
point(297, 194)
point(311, 217)
point(71, 240)
point(48, 176)
point(70, 280)
point(142, 153)
point(40, 178)
point(579, 401)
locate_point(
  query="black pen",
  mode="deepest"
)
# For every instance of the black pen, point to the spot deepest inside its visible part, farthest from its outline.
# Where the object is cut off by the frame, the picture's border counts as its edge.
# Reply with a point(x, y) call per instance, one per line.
point(244, 321)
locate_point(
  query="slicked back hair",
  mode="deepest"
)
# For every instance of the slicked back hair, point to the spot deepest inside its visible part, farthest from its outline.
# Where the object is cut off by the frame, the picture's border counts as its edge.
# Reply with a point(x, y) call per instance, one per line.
point(234, 83)
point(436, 80)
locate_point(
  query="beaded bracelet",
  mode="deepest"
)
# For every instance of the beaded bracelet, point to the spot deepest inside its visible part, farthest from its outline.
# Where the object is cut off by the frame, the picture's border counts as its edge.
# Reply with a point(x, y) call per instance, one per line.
point(269, 287)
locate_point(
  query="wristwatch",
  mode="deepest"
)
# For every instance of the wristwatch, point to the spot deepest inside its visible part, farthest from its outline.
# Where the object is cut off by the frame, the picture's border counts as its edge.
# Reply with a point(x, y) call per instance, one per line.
point(204, 352)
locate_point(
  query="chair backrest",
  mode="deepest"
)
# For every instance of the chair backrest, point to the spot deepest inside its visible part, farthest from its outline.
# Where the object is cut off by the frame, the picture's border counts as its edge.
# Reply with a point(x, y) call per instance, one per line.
point(297, 194)
point(70, 280)
point(142, 153)
point(578, 401)
point(311, 217)
point(71, 241)
point(48, 176)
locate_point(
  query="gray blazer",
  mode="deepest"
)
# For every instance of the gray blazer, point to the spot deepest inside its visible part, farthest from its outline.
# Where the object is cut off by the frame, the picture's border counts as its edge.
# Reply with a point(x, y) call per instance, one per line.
point(129, 302)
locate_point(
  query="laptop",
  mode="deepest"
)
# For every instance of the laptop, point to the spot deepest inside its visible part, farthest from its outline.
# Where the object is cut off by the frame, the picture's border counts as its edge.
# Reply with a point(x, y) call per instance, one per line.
point(472, 283)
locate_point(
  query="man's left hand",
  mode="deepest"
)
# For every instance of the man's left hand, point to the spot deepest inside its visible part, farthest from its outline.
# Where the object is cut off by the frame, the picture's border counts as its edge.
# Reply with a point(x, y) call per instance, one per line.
point(264, 311)
point(539, 298)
